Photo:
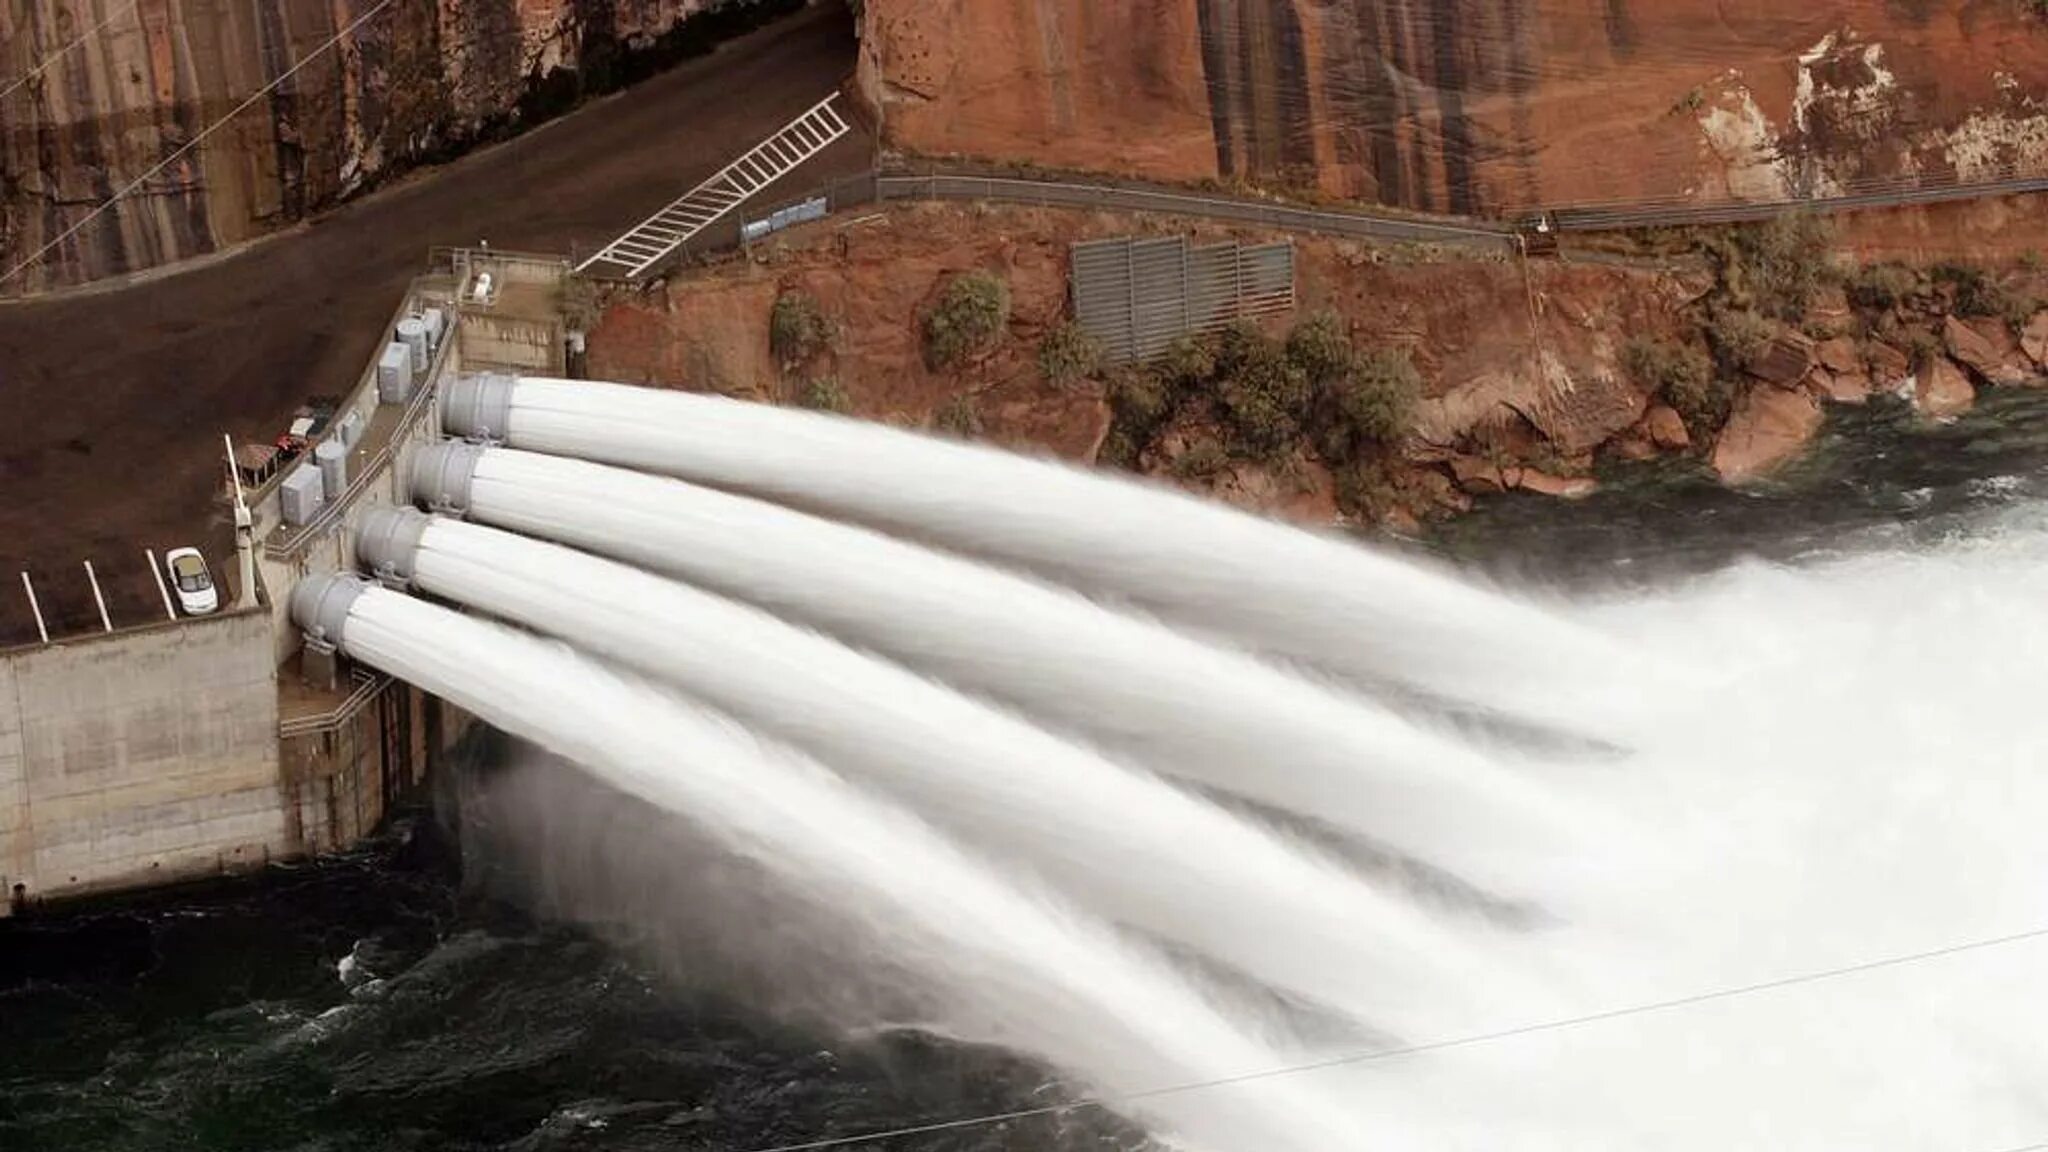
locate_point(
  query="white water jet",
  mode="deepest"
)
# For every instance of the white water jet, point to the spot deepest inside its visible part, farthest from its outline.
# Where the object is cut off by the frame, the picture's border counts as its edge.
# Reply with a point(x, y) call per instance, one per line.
point(1179, 705)
point(1331, 603)
point(1123, 842)
point(1017, 968)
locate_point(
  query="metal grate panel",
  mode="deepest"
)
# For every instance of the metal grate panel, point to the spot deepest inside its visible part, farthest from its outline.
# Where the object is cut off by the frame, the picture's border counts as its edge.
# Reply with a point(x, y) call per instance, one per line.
point(1138, 295)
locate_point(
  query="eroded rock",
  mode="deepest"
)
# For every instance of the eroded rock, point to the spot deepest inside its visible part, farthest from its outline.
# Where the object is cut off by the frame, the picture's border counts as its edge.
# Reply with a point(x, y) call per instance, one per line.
point(1985, 346)
point(1768, 427)
point(1942, 390)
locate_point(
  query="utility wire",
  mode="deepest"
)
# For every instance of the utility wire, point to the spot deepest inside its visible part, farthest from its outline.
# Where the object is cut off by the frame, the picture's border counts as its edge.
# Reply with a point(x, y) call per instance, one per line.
point(198, 138)
point(1107, 1101)
point(119, 11)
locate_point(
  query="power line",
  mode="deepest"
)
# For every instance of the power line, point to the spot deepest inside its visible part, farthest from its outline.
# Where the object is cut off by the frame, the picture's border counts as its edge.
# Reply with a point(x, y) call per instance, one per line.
point(198, 139)
point(1107, 1101)
point(119, 11)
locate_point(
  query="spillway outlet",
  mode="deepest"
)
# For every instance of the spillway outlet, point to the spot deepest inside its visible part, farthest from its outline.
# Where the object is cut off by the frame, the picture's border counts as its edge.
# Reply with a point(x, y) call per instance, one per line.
point(388, 542)
point(440, 475)
point(320, 605)
point(478, 406)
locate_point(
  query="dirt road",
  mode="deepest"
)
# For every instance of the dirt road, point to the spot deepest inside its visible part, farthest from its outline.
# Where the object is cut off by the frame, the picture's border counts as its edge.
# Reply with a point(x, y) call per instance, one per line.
point(112, 404)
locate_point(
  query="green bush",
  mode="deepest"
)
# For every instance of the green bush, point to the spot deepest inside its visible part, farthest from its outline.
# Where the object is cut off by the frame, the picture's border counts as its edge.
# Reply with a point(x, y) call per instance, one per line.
point(1661, 367)
point(1775, 268)
point(1203, 459)
point(960, 416)
point(1321, 347)
point(1878, 287)
point(968, 320)
point(1682, 377)
point(1188, 362)
point(824, 394)
point(1068, 353)
point(1369, 405)
point(1976, 294)
point(1737, 337)
point(1262, 395)
point(797, 331)
point(1921, 347)
point(1366, 487)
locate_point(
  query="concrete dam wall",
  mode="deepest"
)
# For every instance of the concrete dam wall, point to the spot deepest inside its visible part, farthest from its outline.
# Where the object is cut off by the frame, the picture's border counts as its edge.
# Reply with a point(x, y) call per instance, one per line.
point(1475, 106)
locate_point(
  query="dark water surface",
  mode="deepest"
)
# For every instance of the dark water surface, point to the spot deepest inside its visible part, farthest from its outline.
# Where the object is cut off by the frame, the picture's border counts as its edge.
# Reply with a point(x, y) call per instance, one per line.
point(376, 1002)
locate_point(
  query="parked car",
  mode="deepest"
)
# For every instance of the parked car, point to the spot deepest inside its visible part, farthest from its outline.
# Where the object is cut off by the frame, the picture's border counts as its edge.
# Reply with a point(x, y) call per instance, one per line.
point(194, 584)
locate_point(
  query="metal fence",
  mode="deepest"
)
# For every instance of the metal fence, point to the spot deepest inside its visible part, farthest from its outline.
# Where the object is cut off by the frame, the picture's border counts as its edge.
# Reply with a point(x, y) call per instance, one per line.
point(1137, 296)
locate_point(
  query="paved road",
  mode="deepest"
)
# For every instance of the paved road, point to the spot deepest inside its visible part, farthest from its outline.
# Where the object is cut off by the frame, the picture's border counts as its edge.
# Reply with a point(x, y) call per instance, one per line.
point(112, 404)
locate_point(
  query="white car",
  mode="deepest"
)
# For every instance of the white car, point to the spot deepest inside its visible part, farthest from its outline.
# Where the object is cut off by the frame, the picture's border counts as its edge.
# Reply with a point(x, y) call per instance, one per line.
point(194, 584)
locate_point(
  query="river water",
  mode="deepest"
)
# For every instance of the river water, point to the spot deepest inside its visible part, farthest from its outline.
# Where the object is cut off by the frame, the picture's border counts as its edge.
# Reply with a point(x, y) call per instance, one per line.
point(395, 999)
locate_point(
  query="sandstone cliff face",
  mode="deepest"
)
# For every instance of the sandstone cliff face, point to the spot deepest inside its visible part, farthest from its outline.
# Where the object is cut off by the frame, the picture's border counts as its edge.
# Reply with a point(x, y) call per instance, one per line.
point(1477, 106)
point(421, 80)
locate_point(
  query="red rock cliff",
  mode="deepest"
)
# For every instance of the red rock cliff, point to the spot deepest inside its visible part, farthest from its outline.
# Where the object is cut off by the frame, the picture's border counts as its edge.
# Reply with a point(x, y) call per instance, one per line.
point(1476, 105)
point(420, 81)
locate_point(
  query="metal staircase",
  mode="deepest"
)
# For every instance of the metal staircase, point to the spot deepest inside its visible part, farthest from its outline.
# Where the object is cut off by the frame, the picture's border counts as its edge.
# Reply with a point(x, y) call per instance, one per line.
point(651, 241)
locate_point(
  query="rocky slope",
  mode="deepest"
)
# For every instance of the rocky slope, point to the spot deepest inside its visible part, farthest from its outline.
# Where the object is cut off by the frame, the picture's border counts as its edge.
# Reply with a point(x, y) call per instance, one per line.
point(1530, 374)
point(1476, 106)
point(420, 80)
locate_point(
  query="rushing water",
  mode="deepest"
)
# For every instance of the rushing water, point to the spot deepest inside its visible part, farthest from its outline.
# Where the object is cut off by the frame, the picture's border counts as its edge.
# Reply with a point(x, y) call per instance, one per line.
point(1848, 777)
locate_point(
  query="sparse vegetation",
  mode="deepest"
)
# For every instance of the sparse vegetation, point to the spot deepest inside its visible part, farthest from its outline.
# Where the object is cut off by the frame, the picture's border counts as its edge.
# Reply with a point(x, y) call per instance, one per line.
point(1682, 377)
point(1202, 459)
point(1774, 268)
point(960, 416)
point(969, 318)
point(1068, 353)
point(1921, 347)
point(1878, 287)
point(824, 394)
point(1975, 293)
point(1737, 337)
point(797, 330)
point(1270, 396)
point(1261, 393)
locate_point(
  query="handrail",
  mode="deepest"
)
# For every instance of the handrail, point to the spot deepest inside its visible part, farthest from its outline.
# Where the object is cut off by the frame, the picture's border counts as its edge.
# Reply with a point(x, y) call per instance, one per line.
point(367, 685)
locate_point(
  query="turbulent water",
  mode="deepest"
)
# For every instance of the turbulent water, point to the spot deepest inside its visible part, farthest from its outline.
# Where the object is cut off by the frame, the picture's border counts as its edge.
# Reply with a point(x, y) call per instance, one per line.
point(1837, 770)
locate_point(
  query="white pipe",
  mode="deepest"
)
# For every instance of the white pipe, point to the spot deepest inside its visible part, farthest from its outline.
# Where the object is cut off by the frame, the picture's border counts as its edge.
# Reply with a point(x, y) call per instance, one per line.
point(97, 598)
point(35, 608)
point(162, 588)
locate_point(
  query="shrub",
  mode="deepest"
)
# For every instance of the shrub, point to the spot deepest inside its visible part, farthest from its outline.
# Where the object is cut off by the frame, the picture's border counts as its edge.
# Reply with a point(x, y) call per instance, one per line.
point(1068, 353)
point(1369, 405)
point(1661, 367)
point(1321, 347)
point(1777, 267)
point(1921, 347)
point(1141, 401)
point(1203, 459)
point(1366, 487)
point(1881, 286)
point(1262, 395)
point(969, 318)
point(960, 416)
point(1188, 362)
point(797, 331)
point(1737, 336)
point(1684, 378)
point(824, 394)
point(1975, 293)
